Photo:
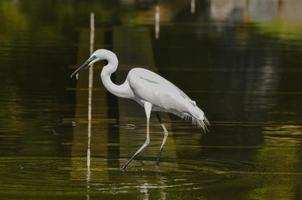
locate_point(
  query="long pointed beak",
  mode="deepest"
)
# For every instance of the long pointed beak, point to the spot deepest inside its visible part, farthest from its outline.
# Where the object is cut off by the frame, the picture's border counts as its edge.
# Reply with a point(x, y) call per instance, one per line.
point(83, 66)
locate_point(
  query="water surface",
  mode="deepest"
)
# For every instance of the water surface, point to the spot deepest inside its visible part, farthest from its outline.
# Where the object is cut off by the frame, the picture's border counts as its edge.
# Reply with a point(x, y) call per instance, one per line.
point(240, 60)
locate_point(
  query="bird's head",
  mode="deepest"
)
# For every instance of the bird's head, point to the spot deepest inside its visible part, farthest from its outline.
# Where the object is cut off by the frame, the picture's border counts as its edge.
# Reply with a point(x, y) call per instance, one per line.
point(100, 54)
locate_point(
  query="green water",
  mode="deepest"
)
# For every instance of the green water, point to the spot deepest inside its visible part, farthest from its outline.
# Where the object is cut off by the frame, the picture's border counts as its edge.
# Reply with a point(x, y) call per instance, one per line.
point(240, 60)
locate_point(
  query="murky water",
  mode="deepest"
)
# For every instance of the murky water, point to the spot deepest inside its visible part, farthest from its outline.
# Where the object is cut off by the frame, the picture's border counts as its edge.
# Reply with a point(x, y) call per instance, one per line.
point(240, 60)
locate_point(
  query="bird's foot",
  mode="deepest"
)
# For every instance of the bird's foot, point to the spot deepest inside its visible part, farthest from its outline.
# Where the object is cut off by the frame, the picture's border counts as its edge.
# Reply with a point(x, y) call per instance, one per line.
point(158, 157)
point(158, 160)
point(124, 168)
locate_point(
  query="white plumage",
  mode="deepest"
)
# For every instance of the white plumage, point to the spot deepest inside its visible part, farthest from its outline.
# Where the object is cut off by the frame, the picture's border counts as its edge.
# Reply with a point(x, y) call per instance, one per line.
point(164, 95)
point(150, 90)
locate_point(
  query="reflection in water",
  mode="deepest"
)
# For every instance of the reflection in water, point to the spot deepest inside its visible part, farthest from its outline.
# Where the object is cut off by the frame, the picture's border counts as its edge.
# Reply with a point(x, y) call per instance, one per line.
point(145, 191)
point(228, 10)
point(256, 10)
point(264, 10)
point(157, 21)
point(162, 186)
point(90, 86)
point(193, 6)
point(242, 63)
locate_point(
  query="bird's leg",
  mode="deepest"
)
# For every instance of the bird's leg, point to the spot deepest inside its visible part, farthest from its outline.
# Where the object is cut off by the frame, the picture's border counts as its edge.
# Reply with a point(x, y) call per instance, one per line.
point(164, 139)
point(148, 108)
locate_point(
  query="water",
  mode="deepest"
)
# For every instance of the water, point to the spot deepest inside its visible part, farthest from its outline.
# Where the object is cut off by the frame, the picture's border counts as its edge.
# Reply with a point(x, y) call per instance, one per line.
point(240, 60)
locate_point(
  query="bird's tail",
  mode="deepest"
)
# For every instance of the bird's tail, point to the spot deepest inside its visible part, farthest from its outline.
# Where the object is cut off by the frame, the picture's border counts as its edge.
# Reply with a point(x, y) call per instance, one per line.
point(197, 116)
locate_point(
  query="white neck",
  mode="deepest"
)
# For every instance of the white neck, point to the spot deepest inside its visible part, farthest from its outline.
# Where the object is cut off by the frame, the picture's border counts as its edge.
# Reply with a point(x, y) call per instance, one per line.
point(122, 90)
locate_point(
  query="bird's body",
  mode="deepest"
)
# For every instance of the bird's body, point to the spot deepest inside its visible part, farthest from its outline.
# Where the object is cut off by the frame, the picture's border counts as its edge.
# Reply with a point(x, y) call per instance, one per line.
point(164, 95)
point(150, 90)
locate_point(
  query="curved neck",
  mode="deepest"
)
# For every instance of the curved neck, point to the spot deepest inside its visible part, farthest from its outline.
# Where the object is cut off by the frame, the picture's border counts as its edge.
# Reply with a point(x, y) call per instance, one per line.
point(118, 90)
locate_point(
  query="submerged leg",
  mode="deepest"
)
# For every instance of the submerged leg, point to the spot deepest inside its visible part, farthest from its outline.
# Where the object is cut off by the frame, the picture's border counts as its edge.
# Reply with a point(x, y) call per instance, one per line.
point(148, 108)
point(164, 139)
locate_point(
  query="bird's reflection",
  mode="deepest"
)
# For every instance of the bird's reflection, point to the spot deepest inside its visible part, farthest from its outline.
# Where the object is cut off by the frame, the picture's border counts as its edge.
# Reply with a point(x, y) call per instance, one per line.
point(145, 191)
point(161, 185)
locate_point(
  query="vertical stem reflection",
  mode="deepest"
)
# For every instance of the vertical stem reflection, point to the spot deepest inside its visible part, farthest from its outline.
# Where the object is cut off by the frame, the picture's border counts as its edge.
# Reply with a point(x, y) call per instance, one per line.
point(193, 7)
point(157, 21)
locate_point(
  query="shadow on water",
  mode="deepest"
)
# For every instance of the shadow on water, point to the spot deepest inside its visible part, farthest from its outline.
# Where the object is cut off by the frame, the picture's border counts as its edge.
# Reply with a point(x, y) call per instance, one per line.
point(239, 59)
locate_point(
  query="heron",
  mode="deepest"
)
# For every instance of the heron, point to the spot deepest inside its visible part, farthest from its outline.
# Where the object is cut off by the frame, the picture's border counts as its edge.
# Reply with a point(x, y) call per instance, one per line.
point(151, 91)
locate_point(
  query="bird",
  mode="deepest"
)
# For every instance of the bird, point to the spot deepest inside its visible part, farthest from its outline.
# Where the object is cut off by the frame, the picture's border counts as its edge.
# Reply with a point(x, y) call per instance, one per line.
point(151, 91)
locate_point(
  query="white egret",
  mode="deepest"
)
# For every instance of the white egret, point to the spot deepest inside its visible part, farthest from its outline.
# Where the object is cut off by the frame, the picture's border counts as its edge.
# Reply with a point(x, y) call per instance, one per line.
point(151, 91)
